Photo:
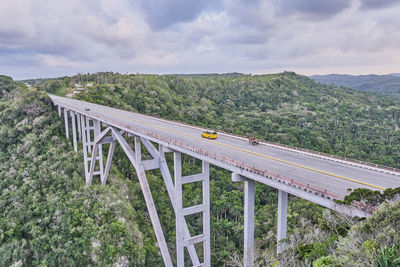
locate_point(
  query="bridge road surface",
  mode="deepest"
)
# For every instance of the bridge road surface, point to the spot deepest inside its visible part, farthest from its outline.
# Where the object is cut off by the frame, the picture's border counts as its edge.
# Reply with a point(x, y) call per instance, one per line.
point(334, 176)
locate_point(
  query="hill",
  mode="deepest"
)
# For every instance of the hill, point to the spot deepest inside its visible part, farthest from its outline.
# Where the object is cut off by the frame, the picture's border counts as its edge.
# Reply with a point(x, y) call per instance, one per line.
point(109, 225)
point(48, 216)
point(382, 84)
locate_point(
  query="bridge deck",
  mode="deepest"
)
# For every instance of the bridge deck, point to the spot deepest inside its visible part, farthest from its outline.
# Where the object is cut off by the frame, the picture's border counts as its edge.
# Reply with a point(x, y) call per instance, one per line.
point(336, 176)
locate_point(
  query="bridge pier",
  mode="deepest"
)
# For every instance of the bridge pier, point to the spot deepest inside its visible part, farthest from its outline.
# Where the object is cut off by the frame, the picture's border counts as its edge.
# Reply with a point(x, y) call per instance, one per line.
point(282, 220)
point(74, 141)
point(90, 156)
point(184, 240)
point(66, 122)
point(108, 163)
point(249, 201)
point(59, 111)
point(249, 198)
point(136, 160)
point(79, 126)
point(85, 148)
point(160, 156)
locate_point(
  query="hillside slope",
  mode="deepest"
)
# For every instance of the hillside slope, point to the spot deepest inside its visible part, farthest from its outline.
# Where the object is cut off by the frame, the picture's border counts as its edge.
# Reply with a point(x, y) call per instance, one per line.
point(382, 84)
point(48, 216)
point(364, 241)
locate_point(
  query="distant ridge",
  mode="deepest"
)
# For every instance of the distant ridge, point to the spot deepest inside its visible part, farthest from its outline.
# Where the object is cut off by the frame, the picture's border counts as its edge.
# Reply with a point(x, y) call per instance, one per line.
point(383, 84)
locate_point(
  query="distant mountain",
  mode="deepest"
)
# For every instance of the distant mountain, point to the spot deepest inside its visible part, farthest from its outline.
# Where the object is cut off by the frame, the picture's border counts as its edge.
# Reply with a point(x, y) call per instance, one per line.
point(385, 84)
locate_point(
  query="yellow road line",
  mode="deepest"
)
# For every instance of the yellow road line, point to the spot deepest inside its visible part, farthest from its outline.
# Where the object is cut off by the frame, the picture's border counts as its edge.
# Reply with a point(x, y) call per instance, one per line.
point(257, 154)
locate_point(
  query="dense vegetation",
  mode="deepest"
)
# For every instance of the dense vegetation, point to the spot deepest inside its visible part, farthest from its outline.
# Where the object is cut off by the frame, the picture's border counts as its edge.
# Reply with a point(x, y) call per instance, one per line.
point(48, 217)
point(383, 84)
point(113, 223)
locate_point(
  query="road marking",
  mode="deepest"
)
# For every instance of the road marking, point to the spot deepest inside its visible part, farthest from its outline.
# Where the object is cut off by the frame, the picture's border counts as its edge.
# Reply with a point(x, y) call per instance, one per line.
point(250, 152)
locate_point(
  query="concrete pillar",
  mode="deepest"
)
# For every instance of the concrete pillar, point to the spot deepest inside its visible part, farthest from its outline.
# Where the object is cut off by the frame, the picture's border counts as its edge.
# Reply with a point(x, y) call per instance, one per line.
point(249, 198)
point(79, 126)
point(171, 191)
point(108, 163)
point(66, 122)
point(73, 118)
point(88, 128)
point(85, 149)
point(59, 111)
point(97, 131)
point(179, 219)
point(282, 220)
point(206, 214)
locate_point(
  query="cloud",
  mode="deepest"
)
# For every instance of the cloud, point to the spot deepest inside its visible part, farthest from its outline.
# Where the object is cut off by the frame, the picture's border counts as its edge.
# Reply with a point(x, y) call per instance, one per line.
point(314, 8)
point(161, 14)
point(373, 4)
point(55, 38)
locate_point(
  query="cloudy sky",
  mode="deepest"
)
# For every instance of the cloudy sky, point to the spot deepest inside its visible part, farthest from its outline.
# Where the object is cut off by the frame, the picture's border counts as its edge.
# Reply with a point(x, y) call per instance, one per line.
point(50, 38)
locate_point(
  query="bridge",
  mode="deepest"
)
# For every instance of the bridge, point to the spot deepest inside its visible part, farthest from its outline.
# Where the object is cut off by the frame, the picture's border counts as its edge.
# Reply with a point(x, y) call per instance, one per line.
point(318, 178)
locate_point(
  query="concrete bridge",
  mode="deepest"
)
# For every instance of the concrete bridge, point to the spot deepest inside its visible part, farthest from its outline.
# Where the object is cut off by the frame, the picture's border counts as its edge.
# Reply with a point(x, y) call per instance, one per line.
point(315, 177)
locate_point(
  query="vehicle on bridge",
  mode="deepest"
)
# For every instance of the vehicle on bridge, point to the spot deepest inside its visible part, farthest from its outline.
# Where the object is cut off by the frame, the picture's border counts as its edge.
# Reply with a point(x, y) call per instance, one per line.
point(209, 135)
point(87, 109)
point(252, 140)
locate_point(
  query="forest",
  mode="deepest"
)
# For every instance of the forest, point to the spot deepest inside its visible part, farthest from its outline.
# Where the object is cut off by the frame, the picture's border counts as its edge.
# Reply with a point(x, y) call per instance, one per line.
point(50, 218)
point(381, 84)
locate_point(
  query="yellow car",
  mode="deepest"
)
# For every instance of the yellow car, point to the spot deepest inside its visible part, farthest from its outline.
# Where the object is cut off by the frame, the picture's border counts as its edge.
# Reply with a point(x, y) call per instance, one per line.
point(209, 135)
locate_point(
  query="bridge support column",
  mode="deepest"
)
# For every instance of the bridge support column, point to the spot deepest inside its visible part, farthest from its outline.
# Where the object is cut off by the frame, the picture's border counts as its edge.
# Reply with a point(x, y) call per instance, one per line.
point(79, 126)
point(66, 122)
point(249, 198)
point(97, 131)
point(108, 163)
point(102, 138)
point(282, 220)
point(184, 240)
point(74, 141)
point(85, 147)
point(160, 156)
point(88, 125)
point(135, 158)
point(59, 111)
